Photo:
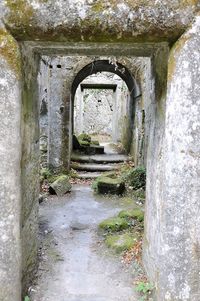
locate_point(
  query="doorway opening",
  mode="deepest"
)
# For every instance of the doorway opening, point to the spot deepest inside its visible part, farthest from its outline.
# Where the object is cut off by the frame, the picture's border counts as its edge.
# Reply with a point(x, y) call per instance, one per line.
point(103, 110)
point(100, 109)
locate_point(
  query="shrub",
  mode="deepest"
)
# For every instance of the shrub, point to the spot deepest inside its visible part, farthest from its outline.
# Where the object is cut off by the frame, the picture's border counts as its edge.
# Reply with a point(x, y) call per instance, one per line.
point(136, 177)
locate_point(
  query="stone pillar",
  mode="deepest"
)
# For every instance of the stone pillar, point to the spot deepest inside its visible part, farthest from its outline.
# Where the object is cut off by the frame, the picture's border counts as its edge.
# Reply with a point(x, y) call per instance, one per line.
point(10, 176)
point(56, 108)
point(174, 245)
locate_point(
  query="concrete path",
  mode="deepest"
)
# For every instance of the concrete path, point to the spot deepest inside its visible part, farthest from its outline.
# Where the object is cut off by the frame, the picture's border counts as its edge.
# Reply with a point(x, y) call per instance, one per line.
point(75, 265)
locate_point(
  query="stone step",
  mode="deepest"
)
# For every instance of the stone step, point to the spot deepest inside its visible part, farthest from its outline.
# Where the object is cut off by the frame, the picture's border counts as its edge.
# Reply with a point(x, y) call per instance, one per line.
point(93, 167)
point(106, 158)
point(88, 175)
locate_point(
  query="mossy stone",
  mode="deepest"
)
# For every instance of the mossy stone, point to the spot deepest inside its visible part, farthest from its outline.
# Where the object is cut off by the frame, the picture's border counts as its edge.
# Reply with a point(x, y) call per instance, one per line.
point(109, 174)
point(108, 185)
point(114, 224)
point(60, 186)
point(10, 51)
point(95, 142)
point(84, 137)
point(137, 214)
point(121, 242)
point(84, 143)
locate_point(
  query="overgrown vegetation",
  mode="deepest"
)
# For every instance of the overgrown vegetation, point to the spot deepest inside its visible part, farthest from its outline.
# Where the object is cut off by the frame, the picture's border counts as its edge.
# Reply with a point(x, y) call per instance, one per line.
point(136, 178)
point(124, 230)
point(145, 289)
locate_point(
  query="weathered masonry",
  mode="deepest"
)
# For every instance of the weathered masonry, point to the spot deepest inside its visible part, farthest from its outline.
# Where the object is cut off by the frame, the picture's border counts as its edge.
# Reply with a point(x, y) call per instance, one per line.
point(166, 34)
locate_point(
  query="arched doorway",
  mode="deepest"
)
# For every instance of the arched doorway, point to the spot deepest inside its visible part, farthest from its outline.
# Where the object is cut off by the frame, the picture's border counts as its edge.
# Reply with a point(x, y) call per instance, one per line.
point(120, 70)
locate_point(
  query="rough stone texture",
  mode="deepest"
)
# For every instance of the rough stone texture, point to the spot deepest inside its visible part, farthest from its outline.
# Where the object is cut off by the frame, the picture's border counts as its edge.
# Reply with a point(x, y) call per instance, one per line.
point(29, 166)
point(107, 20)
point(143, 109)
point(10, 175)
point(109, 185)
point(43, 78)
point(60, 186)
point(172, 217)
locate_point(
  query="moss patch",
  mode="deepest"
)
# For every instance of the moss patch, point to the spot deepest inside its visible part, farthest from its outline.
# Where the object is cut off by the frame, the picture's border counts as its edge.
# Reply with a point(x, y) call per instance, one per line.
point(84, 137)
point(10, 51)
point(121, 242)
point(20, 13)
point(84, 143)
point(110, 174)
point(95, 142)
point(60, 186)
point(114, 224)
point(137, 214)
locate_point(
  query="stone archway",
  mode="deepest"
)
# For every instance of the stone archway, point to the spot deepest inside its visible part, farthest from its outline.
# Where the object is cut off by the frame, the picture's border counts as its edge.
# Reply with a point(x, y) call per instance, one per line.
point(123, 72)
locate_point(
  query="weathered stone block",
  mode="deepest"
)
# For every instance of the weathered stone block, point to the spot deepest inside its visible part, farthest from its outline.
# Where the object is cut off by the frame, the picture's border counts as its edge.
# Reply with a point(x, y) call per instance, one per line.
point(60, 186)
point(109, 185)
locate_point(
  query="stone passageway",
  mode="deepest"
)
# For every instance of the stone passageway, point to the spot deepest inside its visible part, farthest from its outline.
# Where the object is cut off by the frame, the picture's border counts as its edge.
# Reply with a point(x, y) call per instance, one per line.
point(75, 265)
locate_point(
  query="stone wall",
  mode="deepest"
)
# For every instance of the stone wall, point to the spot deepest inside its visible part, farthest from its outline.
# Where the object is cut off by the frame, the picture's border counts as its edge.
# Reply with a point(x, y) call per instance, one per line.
point(10, 170)
point(172, 219)
point(97, 112)
point(29, 167)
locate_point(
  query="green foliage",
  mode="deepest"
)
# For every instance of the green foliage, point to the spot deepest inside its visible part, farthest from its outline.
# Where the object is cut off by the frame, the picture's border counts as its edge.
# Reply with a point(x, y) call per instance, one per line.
point(27, 298)
point(45, 173)
point(73, 173)
point(145, 289)
point(95, 185)
point(114, 224)
point(136, 177)
point(140, 194)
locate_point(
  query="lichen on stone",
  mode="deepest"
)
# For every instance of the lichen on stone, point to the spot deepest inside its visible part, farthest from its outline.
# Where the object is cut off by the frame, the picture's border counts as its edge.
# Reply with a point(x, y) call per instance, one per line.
point(9, 50)
point(20, 12)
